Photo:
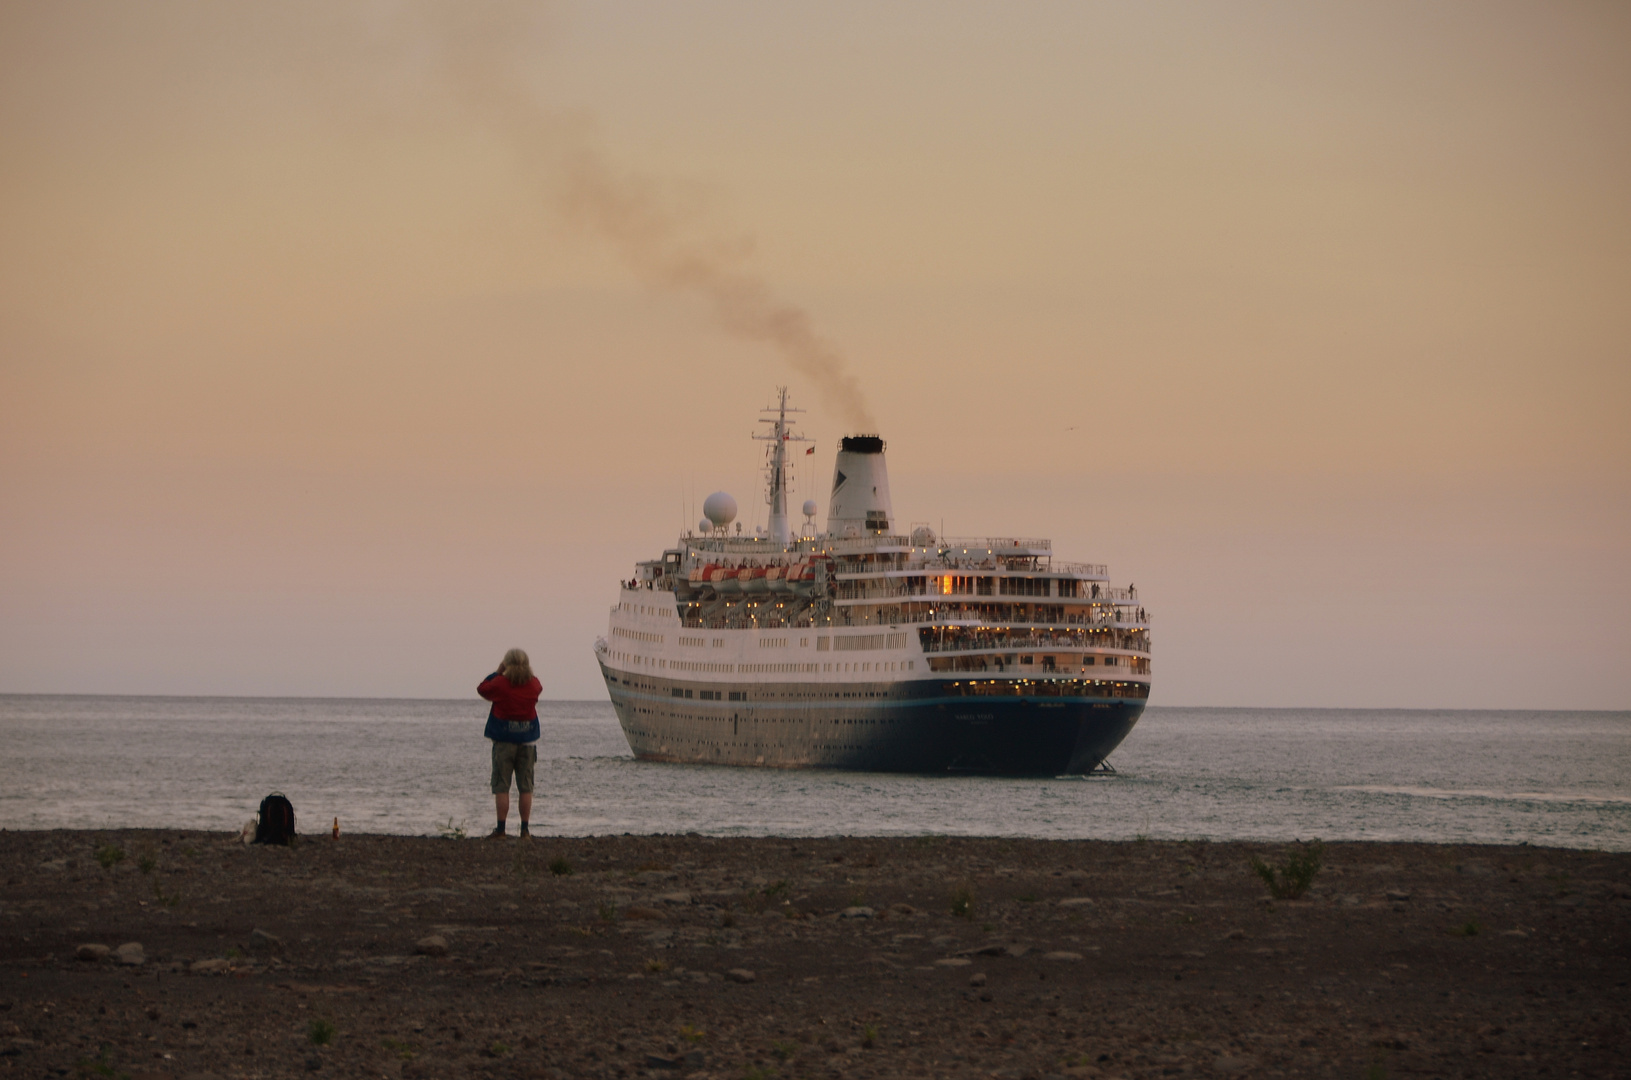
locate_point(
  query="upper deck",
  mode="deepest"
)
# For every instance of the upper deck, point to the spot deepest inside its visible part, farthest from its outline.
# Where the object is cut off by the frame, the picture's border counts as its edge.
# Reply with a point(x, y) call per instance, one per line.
point(975, 603)
point(822, 582)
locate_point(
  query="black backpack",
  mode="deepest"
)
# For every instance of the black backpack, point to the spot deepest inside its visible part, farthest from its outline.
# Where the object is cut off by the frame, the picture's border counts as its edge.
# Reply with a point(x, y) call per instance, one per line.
point(276, 824)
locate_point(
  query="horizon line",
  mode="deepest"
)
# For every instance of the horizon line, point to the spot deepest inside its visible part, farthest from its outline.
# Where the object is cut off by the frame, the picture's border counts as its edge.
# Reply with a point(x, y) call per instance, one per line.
point(607, 701)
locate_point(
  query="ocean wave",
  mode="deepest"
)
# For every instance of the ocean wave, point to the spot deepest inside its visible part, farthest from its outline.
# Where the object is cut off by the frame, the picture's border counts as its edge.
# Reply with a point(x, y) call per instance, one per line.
point(1484, 793)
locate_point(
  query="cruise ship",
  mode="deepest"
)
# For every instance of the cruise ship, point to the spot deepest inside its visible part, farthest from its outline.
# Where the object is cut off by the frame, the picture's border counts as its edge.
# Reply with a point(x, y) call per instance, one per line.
point(863, 646)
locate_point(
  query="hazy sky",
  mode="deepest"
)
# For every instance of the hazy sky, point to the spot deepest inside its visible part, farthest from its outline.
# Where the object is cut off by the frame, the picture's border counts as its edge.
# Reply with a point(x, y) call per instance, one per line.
point(344, 346)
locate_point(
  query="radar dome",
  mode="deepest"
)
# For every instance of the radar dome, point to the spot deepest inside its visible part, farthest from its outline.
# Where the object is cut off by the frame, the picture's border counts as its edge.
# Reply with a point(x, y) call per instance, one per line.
point(705, 526)
point(809, 507)
point(720, 508)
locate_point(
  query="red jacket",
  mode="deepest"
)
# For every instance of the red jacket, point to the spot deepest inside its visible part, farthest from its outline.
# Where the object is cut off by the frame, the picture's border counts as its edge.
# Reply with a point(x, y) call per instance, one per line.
point(511, 702)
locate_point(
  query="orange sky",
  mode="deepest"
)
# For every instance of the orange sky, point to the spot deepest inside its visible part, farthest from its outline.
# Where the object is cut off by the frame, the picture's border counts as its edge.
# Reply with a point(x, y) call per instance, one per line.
point(318, 374)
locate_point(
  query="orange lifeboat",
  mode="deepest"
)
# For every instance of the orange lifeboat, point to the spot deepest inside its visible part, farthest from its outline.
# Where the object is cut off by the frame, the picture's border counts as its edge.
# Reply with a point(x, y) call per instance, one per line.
point(724, 580)
point(776, 579)
point(701, 577)
point(801, 578)
point(753, 579)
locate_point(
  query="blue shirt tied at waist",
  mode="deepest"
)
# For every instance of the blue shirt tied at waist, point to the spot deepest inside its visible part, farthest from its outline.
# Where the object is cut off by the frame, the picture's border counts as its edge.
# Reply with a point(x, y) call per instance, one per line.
point(516, 731)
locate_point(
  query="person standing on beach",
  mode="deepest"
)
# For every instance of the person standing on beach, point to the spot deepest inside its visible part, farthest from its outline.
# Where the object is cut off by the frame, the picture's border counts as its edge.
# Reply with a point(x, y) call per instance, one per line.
point(512, 725)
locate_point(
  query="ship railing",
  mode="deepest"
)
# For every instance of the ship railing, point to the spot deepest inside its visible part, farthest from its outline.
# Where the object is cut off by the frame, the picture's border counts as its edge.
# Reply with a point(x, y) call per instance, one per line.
point(1082, 569)
point(992, 584)
point(936, 564)
point(866, 590)
point(993, 545)
point(842, 619)
point(721, 623)
point(947, 612)
point(949, 545)
point(885, 588)
point(936, 567)
point(1131, 642)
point(894, 616)
point(1136, 666)
point(1034, 564)
point(856, 566)
point(839, 546)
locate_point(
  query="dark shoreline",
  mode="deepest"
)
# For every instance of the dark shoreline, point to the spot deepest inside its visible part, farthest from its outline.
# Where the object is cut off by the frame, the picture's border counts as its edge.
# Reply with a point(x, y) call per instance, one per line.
point(158, 833)
point(1063, 957)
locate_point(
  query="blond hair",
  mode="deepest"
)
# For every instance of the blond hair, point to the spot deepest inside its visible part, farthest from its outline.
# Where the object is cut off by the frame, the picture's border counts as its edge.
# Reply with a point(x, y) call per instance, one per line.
point(516, 667)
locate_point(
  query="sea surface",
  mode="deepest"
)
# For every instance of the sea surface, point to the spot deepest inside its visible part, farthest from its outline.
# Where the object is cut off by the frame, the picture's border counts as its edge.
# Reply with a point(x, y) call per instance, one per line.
point(420, 767)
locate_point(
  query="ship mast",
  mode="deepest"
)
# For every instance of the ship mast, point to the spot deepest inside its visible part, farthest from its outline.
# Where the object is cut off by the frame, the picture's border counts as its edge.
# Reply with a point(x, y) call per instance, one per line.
point(776, 471)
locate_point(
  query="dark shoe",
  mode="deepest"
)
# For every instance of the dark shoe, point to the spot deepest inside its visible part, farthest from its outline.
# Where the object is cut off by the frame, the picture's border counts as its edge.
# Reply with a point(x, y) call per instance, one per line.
point(498, 833)
point(526, 833)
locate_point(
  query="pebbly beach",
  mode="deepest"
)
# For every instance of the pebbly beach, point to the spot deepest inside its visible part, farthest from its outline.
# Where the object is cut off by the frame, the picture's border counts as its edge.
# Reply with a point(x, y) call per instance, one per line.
point(188, 954)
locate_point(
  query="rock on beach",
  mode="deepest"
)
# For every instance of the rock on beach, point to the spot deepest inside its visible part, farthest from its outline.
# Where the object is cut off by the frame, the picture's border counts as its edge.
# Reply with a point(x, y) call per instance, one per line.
point(431, 945)
point(262, 941)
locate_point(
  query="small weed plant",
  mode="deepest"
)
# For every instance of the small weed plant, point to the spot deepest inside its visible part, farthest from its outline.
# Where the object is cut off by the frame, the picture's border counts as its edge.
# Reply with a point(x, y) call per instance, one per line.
point(1291, 880)
point(962, 902)
point(101, 1066)
point(146, 863)
point(1470, 928)
point(320, 1032)
point(451, 831)
point(110, 855)
point(560, 866)
point(607, 911)
point(656, 967)
point(869, 1036)
point(776, 888)
point(784, 1051)
point(691, 1034)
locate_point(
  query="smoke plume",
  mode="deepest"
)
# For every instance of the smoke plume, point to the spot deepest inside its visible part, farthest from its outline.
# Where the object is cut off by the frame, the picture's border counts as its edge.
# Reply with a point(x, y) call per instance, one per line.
point(663, 247)
point(626, 214)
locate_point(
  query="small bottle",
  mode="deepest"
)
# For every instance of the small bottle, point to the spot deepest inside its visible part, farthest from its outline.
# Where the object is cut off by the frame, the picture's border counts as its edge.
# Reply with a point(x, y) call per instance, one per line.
point(336, 828)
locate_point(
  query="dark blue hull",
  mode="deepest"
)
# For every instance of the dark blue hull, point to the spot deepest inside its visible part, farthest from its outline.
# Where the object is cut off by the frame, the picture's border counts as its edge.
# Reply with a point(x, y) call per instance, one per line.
point(922, 726)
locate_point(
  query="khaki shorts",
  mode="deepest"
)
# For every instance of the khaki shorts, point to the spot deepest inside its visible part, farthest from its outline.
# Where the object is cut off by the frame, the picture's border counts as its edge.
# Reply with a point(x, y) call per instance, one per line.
point(515, 759)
